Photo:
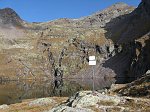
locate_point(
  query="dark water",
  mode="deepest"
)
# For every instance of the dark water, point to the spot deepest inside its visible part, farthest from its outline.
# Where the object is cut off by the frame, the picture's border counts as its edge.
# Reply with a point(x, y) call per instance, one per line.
point(16, 91)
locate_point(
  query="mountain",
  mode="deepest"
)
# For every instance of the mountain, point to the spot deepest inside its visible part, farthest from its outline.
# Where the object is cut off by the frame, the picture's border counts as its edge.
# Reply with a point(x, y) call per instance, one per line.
point(100, 18)
point(118, 36)
point(9, 17)
point(10, 26)
point(132, 34)
point(133, 25)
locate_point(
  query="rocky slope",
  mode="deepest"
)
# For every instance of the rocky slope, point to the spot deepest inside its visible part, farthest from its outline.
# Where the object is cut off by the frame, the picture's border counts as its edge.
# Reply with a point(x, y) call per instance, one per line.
point(118, 37)
point(133, 36)
point(137, 88)
point(54, 48)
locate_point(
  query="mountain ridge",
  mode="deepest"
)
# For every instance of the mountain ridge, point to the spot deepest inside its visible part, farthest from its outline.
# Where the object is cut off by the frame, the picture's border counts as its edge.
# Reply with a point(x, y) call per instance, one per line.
point(16, 19)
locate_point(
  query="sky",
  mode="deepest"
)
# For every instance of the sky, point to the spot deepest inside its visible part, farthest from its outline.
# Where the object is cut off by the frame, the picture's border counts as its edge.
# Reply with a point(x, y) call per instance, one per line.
point(47, 10)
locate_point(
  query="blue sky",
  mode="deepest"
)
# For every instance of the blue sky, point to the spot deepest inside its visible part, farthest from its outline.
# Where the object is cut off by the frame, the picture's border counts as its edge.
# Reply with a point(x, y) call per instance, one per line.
point(46, 10)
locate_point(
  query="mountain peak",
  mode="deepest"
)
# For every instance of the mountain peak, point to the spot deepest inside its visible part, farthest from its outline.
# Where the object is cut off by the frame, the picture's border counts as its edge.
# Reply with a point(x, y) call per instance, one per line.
point(7, 10)
point(120, 4)
point(9, 16)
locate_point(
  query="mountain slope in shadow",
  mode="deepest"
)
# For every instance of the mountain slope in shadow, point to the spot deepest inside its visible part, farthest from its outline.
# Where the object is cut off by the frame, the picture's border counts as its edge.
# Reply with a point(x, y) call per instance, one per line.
point(131, 32)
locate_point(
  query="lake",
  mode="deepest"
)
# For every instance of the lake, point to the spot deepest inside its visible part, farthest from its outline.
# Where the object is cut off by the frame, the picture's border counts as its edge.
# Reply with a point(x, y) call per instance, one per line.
point(16, 91)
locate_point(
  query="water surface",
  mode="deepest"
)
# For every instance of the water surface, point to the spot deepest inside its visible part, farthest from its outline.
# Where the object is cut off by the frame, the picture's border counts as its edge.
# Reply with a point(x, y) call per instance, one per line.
point(16, 91)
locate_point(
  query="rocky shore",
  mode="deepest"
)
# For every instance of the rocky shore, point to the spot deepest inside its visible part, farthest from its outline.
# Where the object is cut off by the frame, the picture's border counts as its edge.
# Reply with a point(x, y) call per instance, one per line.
point(83, 101)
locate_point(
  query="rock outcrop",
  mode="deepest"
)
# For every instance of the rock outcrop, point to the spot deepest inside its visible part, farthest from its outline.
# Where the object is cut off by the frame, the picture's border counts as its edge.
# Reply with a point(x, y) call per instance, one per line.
point(138, 88)
point(97, 102)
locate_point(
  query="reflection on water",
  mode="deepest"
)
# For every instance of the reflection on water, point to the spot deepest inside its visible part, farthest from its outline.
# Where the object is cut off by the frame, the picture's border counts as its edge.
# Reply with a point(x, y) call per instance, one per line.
point(16, 91)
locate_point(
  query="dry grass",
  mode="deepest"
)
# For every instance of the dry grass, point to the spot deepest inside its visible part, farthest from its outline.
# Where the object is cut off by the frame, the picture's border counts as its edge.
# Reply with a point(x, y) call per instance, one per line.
point(23, 107)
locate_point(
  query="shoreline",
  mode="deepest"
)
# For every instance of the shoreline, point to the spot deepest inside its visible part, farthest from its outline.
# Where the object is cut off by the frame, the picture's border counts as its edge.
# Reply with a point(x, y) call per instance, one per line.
point(86, 101)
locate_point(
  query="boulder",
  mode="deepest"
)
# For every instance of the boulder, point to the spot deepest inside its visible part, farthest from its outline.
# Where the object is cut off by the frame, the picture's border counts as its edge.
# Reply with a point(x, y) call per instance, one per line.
point(4, 106)
point(42, 101)
point(89, 98)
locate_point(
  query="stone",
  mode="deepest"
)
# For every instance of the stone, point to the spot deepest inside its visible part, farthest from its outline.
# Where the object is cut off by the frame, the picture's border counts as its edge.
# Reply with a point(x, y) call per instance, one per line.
point(42, 101)
point(89, 98)
point(83, 102)
point(148, 72)
point(4, 106)
point(69, 109)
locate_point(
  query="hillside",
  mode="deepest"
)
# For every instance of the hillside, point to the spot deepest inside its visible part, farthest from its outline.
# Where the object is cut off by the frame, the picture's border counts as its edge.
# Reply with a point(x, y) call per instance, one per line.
point(118, 36)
